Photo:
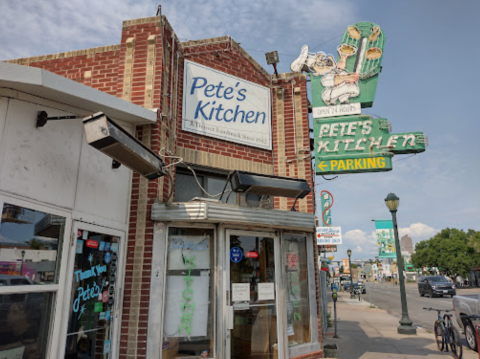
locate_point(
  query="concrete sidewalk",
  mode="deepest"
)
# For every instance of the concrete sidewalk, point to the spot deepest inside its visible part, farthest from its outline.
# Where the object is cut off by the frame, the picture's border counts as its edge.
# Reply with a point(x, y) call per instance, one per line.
point(366, 332)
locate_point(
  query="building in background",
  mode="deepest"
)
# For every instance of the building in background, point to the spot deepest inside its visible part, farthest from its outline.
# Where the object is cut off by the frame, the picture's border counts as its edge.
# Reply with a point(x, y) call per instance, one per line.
point(185, 276)
point(406, 244)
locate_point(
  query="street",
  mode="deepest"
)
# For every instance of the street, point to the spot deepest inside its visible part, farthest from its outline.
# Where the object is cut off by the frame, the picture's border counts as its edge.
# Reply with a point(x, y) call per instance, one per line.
point(387, 296)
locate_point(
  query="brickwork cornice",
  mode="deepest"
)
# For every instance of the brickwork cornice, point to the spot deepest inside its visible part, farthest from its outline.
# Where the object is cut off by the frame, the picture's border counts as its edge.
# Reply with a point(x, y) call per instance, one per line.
point(62, 55)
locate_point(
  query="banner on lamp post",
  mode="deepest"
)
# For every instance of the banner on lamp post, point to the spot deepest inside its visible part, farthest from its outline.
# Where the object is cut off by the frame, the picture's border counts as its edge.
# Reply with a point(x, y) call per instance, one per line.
point(385, 238)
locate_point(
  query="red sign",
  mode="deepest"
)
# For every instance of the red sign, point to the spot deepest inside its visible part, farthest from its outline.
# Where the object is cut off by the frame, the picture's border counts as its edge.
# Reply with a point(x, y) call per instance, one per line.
point(292, 260)
point(91, 244)
point(104, 296)
point(251, 255)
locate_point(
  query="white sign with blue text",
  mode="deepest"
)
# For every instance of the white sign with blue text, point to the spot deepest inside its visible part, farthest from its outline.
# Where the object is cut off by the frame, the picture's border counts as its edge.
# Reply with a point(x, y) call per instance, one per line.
point(223, 106)
point(329, 235)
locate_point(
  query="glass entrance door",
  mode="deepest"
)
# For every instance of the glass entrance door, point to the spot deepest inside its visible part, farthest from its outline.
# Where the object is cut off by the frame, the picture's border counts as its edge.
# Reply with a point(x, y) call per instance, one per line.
point(252, 295)
point(93, 308)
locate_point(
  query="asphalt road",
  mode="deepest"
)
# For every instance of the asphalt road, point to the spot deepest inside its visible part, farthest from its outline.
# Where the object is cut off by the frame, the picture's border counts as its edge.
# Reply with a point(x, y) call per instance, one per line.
point(387, 297)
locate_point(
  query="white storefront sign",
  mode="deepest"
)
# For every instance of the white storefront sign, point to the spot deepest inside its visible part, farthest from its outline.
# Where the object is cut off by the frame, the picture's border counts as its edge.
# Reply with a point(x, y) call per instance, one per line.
point(219, 105)
point(338, 110)
point(329, 235)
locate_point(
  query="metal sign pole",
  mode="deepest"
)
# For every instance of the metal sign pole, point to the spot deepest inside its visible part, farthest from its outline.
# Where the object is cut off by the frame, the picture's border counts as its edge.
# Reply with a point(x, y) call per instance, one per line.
point(370, 295)
point(335, 315)
point(334, 297)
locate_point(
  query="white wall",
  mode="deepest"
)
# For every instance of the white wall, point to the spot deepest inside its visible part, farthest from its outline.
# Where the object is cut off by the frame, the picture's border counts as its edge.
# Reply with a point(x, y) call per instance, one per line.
point(55, 165)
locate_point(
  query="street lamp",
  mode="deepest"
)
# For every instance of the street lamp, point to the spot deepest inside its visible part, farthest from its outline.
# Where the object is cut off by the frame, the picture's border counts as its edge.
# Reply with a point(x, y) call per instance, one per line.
point(405, 323)
point(23, 257)
point(349, 252)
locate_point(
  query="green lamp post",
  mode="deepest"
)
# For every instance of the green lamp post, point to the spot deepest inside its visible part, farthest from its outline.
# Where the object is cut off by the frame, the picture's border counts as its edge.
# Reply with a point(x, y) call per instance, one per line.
point(405, 327)
point(349, 252)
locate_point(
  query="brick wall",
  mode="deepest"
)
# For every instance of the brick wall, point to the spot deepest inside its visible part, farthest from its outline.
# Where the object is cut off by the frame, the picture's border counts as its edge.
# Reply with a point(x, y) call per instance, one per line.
point(142, 71)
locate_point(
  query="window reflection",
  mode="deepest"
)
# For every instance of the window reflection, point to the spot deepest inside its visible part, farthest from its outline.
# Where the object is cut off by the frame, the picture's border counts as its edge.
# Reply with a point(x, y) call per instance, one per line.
point(29, 246)
point(24, 324)
point(298, 313)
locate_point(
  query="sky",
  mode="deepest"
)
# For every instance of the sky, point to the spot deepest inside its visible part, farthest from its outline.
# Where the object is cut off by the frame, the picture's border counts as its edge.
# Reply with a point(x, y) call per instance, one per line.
point(429, 83)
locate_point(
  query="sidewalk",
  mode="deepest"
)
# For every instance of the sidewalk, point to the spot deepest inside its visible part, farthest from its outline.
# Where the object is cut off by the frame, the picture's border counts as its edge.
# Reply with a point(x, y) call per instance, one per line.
point(371, 333)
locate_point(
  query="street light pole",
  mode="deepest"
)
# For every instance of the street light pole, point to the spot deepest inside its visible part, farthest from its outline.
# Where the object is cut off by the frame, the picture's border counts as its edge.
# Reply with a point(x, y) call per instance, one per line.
point(23, 257)
point(349, 252)
point(405, 323)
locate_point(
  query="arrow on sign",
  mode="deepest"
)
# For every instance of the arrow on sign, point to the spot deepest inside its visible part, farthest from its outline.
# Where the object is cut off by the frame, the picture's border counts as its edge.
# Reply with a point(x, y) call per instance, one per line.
point(322, 166)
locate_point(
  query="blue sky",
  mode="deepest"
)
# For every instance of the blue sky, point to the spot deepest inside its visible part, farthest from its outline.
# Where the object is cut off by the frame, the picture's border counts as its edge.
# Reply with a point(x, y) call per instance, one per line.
point(429, 83)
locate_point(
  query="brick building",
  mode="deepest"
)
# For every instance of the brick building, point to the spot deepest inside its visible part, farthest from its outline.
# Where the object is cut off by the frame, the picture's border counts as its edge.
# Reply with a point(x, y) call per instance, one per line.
point(242, 267)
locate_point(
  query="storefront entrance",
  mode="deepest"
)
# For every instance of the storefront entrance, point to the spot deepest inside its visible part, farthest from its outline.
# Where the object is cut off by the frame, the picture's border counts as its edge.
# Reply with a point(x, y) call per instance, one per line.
point(252, 298)
point(93, 308)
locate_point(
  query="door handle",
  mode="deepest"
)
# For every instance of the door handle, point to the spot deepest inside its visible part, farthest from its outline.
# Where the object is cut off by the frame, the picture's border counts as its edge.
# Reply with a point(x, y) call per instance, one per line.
point(229, 317)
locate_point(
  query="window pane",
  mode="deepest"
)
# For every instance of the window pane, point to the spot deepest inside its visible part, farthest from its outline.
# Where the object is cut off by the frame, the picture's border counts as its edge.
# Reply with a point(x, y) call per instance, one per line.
point(24, 325)
point(216, 185)
point(189, 318)
point(186, 187)
point(89, 332)
point(30, 246)
point(298, 314)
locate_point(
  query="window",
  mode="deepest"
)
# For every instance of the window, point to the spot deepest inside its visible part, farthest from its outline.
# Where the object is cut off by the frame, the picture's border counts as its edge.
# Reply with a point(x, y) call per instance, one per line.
point(30, 248)
point(94, 285)
point(186, 187)
point(298, 312)
point(188, 313)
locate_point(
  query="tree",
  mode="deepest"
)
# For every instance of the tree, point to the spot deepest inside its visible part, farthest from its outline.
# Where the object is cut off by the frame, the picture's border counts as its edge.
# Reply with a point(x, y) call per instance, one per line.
point(450, 251)
point(474, 240)
point(34, 243)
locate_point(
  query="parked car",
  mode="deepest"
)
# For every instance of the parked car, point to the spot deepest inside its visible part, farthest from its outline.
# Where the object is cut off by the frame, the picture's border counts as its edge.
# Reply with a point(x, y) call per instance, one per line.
point(435, 285)
point(465, 305)
point(357, 286)
point(346, 285)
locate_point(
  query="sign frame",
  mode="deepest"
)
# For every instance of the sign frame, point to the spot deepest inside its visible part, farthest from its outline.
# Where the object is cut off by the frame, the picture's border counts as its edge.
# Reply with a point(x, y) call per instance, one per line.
point(202, 110)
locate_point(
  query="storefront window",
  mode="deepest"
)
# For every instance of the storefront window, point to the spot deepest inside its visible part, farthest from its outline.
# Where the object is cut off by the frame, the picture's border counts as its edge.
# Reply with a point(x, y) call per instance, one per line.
point(298, 315)
point(94, 284)
point(187, 186)
point(189, 317)
point(24, 325)
point(29, 246)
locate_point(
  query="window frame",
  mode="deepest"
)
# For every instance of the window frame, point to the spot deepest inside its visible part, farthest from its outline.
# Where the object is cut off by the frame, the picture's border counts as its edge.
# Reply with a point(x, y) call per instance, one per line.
point(53, 334)
point(158, 284)
point(314, 345)
point(65, 306)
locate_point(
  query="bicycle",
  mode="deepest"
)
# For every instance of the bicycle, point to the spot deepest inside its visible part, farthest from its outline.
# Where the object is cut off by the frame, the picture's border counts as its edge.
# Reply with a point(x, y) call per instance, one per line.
point(446, 334)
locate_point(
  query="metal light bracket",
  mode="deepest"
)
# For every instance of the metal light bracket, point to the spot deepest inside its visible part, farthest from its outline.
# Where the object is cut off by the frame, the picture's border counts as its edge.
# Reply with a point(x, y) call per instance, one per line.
point(42, 118)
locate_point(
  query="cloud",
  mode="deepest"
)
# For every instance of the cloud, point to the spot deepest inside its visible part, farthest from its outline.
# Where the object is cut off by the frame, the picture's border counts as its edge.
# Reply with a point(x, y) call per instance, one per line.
point(57, 26)
point(360, 242)
point(418, 231)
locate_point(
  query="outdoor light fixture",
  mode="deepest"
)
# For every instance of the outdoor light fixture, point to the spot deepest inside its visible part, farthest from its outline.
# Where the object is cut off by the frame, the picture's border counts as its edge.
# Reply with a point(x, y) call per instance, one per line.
point(272, 59)
point(245, 182)
point(392, 202)
point(108, 137)
point(405, 327)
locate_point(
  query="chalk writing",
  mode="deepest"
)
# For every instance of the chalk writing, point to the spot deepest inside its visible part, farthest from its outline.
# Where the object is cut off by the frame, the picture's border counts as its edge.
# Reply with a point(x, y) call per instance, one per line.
point(187, 306)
